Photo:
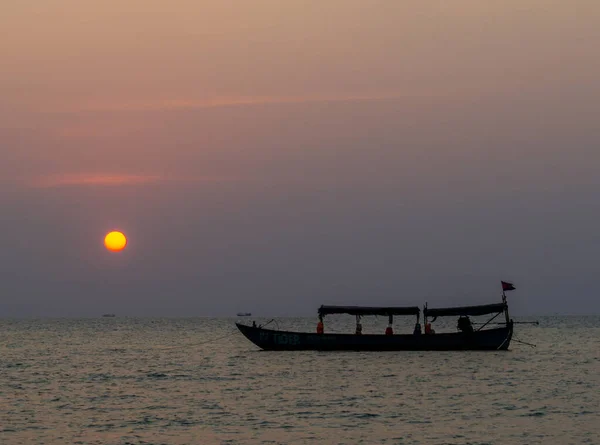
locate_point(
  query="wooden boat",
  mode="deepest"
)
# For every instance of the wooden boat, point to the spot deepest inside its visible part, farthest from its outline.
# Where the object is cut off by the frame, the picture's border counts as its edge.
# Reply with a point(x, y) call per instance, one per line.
point(467, 338)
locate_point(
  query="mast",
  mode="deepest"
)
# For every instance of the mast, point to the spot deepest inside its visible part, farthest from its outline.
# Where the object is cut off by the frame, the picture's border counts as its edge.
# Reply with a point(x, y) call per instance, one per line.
point(505, 306)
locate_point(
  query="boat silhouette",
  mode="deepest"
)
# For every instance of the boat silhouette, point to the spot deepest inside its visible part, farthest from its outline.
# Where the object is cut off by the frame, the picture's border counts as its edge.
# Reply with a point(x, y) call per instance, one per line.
point(467, 336)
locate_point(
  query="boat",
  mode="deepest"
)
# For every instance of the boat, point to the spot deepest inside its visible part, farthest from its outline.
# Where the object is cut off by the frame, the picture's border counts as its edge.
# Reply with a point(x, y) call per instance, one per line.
point(467, 337)
point(244, 314)
point(108, 315)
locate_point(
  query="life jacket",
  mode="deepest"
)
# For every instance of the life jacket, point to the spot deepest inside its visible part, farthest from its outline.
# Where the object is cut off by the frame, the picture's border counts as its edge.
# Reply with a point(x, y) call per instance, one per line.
point(389, 331)
point(428, 328)
point(320, 328)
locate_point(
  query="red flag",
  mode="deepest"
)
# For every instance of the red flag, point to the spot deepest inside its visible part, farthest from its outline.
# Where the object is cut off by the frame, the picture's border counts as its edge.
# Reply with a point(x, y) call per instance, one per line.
point(507, 286)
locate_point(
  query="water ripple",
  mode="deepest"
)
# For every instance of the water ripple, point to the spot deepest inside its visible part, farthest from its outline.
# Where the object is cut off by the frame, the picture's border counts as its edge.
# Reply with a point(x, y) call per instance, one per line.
point(127, 381)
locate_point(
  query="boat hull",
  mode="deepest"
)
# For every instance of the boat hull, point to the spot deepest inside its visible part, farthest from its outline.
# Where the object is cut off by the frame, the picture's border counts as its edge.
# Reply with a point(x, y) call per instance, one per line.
point(274, 340)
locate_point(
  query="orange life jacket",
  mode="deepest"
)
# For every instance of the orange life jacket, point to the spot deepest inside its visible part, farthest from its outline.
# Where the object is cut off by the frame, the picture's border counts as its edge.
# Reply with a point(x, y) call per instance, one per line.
point(389, 331)
point(320, 328)
point(428, 328)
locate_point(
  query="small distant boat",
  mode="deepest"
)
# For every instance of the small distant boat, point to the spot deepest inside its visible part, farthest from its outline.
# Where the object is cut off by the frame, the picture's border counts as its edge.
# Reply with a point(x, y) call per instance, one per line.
point(109, 315)
point(244, 314)
point(468, 336)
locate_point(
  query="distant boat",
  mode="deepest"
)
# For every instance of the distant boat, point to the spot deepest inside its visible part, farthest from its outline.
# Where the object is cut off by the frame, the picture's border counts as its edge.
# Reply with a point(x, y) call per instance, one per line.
point(109, 315)
point(244, 314)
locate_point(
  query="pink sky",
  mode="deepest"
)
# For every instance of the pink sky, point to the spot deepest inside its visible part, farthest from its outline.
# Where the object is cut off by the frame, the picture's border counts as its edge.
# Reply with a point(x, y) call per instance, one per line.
point(340, 120)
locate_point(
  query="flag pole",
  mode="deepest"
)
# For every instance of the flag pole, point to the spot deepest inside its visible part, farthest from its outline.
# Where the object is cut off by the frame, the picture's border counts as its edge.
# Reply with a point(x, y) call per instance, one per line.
point(504, 301)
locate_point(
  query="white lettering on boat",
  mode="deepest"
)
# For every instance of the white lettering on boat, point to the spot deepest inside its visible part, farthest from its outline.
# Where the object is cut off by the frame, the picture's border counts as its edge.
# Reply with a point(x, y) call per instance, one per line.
point(280, 339)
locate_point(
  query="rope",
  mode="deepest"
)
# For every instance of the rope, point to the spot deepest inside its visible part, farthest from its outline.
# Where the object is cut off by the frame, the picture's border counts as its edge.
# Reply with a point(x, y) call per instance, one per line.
point(505, 340)
point(269, 322)
point(525, 343)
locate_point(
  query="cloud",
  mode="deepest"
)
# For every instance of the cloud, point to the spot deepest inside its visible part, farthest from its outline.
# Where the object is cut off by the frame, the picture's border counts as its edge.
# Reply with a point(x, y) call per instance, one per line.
point(217, 102)
point(84, 130)
point(110, 180)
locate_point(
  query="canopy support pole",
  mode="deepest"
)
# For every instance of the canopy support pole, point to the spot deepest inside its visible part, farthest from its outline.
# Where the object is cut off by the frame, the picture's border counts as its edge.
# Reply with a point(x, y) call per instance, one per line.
point(505, 307)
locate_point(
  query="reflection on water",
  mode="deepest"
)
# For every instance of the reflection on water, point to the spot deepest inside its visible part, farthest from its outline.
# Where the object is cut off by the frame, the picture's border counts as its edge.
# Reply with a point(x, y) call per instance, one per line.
point(183, 381)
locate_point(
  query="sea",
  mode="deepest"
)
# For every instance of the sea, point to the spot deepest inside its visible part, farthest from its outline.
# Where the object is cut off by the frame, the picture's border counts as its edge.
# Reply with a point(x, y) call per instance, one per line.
point(175, 381)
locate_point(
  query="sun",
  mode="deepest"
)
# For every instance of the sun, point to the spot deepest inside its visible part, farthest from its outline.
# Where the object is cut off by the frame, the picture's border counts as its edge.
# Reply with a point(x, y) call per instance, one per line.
point(115, 241)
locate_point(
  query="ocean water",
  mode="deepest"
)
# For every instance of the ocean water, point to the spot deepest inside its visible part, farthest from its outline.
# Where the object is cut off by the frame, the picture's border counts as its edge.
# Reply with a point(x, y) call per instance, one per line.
point(198, 381)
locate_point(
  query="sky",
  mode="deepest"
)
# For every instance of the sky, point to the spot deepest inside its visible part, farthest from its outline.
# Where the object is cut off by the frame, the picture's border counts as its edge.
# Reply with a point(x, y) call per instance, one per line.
point(271, 156)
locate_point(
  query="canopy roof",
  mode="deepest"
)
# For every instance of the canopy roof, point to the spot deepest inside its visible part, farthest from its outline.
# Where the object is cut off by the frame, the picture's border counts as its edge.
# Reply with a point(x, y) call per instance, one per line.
point(465, 310)
point(366, 310)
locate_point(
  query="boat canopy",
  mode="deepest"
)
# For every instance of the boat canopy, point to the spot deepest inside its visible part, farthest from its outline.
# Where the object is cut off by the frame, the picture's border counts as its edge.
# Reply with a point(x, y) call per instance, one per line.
point(465, 310)
point(367, 310)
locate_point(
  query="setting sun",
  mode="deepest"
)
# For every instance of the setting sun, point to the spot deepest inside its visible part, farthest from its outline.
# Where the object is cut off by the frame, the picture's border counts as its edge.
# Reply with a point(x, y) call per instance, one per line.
point(115, 241)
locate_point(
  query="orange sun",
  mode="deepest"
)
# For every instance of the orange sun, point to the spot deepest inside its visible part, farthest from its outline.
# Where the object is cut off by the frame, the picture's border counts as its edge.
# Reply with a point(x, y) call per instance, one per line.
point(115, 241)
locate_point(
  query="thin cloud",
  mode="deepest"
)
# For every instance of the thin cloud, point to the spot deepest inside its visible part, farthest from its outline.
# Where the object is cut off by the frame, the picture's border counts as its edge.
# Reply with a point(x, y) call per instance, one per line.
point(114, 128)
point(111, 180)
point(218, 102)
